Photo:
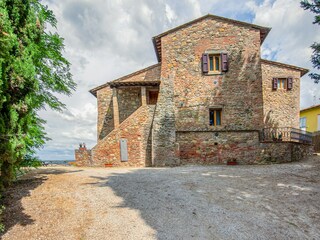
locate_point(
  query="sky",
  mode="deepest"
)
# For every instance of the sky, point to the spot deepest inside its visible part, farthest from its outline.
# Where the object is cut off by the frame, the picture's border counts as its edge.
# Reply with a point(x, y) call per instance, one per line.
point(107, 39)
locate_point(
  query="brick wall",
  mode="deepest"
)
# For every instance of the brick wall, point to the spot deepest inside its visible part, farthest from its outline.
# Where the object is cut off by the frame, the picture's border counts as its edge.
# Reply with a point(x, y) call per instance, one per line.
point(281, 106)
point(136, 129)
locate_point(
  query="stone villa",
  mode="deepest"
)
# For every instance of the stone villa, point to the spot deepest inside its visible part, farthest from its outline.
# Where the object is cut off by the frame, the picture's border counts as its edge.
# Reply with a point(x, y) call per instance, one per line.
point(210, 99)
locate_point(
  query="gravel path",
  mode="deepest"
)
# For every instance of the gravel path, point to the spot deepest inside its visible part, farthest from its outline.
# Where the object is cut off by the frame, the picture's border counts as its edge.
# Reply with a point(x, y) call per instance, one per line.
point(212, 202)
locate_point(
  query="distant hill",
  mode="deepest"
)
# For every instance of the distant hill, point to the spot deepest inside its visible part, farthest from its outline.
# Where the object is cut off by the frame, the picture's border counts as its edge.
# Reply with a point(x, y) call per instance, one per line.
point(57, 162)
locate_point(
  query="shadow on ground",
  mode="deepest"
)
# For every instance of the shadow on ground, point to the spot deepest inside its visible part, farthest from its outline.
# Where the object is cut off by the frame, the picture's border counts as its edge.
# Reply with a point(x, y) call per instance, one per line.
point(13, 196)
point(221, 202)
point(174, 202)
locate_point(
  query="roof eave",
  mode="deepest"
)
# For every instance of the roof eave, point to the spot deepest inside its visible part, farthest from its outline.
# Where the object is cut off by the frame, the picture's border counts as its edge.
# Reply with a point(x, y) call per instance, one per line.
point(303, 71)
point(266, 33)
point(309, 108)
point(264, 30)
point(94, 91)
point(155, 48)
point(132, 84)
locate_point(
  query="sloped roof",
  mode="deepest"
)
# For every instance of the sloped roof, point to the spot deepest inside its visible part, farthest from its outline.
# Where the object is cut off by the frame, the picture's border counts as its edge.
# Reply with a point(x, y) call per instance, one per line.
point(311, 107)
point(157, 39)
point(302, 70)
point(144, 77)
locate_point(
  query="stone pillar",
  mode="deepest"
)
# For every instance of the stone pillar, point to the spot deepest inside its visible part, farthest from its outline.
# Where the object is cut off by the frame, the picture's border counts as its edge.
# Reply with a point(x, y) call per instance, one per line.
point(144, 96)
point(115, 108)
point(164, 146)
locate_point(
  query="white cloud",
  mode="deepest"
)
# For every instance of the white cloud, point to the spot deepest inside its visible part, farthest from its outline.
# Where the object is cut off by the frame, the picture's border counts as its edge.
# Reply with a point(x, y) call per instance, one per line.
point(104, 40)
point(108, 39)
point(290, 38)
point(171, 15)
point(84, 113)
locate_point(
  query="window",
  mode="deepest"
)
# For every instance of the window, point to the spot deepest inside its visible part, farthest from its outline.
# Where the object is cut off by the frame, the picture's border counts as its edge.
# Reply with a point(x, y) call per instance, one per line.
point(282, 83)
point(215, 117)
point(303, 123)
point(214, 63)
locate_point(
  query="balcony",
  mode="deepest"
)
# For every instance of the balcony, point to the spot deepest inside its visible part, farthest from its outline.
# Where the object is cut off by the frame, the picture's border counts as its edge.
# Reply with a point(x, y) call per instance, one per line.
point(286, 134)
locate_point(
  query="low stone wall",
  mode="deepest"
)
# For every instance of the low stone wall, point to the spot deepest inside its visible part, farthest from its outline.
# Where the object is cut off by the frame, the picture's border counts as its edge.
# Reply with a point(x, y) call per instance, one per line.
point(219, 147)
point(283, 152)
point(83, 157)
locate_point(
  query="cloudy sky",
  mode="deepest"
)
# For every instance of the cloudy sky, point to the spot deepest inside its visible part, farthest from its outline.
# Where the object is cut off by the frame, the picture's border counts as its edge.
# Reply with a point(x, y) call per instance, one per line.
point(107, 39)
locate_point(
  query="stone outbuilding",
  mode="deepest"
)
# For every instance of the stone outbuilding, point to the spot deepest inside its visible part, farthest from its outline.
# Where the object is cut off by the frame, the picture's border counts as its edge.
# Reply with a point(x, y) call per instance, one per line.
point(210, 99)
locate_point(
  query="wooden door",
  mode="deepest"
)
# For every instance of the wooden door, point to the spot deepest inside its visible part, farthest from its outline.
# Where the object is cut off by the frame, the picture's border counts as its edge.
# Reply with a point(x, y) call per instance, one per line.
point(153, 97)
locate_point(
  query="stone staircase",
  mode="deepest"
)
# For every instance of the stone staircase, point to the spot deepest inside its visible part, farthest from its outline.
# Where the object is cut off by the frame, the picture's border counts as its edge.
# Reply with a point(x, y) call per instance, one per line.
point(136, 130)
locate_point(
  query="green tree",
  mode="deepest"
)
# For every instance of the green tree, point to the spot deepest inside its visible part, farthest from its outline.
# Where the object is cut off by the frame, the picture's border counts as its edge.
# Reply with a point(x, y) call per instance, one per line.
point(314, 6)
point(32, 70)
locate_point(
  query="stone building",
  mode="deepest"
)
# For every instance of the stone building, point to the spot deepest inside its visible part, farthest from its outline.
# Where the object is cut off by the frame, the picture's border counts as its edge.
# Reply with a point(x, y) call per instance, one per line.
point(210, 99)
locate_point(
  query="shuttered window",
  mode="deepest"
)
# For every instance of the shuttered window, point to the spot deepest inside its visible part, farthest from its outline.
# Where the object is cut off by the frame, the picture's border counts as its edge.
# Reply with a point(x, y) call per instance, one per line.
point(214, 63)
point(282, 83)
point(290, 83)
point(205, 67)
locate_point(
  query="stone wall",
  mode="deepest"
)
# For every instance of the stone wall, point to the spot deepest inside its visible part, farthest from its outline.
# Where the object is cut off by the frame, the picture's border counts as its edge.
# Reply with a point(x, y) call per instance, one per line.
point(210, 147)
point(83, 157)
point(283, 152)
point(105, 112)
point(129, 100)
point(176, 130)
point(151, 73)
point(217, 147)
point(136, 129)
point(281, 106)
point(163, 128)
point(238, 91)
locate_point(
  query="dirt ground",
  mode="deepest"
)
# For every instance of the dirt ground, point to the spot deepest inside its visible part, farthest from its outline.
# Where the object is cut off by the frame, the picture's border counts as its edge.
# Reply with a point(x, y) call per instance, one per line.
point(194, 202)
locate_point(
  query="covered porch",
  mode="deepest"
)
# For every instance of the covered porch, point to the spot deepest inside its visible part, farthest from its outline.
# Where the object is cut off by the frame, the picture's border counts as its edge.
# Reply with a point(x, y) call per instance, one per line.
point(127, 97)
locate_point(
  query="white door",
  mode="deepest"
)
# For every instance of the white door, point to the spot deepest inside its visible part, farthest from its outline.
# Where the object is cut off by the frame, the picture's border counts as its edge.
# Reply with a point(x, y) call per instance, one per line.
point(124, 150)
point(319, 122)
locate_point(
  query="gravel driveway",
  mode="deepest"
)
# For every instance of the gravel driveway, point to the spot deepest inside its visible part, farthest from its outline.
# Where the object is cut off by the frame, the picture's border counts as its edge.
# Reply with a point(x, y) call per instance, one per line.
point(194, 202)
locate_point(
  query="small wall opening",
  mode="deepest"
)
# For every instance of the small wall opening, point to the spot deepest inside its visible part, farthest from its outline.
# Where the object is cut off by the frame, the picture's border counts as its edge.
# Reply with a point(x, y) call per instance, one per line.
point(152, 96)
